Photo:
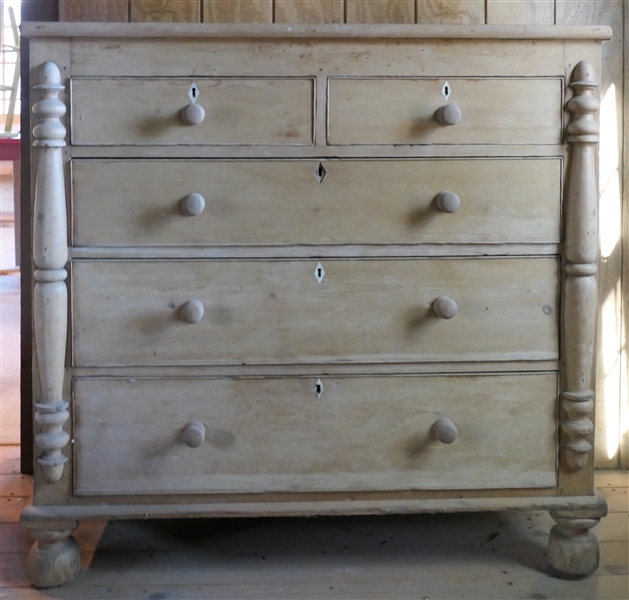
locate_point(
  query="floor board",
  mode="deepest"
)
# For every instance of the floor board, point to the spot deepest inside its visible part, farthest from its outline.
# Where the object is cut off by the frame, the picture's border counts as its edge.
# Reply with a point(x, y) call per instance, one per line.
point(604, 479)
point(9, 460)
point(15, 485)
point(617, 498)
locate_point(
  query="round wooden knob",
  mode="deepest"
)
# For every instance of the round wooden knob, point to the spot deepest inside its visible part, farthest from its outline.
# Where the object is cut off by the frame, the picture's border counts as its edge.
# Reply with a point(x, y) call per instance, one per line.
point(191, 312)
point(193, 205)
point(193, 114)
point(447, 202)
point(445, 430)
point(445, 307)
point(194, 434)
point(450, 114)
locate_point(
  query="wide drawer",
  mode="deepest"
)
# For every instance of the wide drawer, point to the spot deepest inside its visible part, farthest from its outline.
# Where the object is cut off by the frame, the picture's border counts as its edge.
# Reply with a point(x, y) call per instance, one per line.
point(147, 111)
point(281, 202)
point(359, 433)
point(275, 311)
point(404, 111)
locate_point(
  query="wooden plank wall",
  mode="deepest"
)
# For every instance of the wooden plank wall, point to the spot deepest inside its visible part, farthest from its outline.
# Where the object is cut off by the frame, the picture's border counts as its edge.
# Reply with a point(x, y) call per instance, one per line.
point(612, 409)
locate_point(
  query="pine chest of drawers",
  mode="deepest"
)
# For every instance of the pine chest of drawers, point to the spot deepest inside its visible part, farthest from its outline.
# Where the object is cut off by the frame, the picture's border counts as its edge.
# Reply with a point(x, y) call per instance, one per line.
point(313, 270)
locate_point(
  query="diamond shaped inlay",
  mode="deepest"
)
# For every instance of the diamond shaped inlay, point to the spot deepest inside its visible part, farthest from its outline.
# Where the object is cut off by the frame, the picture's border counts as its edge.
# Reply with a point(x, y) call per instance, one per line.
point(319, 273)
point(193, 93)
point(446, 90)
point(319, 389)
point(320, 173)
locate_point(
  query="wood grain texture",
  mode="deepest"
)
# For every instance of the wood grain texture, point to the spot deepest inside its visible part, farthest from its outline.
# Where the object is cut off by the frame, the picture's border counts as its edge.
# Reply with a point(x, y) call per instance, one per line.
point(426, 58)
point(341, 319)
point(167, 11)
point(348, 439)
point(309, 11)
point(237, 11)
point(358, 202)
point(321, 31)
point(524, 12)
point(403, 111)
point(380, 11)
point(148, 111)
point(451, 12)
point(89, 10)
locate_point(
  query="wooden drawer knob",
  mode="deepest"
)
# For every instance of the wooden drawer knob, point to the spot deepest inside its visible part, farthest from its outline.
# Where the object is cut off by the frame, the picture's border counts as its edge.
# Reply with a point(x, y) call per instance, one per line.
point(191, 312)
point(450, 114)
point(445, 307)
point(193, 114)
point(445, 430)
point(193, 205)
point(447, 202)
point(194, 434)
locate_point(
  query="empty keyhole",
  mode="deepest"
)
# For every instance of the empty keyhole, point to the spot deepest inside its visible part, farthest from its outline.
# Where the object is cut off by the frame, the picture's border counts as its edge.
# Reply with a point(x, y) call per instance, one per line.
point(446, 90)
point(319, 272)
point(318, 388)
point(319, 173)
point(194, 92)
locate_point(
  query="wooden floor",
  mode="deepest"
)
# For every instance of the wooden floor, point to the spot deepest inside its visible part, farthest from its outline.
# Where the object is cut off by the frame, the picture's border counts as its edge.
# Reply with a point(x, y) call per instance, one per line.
point(486, 555)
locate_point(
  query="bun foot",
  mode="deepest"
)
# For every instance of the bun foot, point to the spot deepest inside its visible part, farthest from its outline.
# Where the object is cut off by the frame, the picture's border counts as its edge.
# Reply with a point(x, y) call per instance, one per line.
point(54, 558)
point(573, 550)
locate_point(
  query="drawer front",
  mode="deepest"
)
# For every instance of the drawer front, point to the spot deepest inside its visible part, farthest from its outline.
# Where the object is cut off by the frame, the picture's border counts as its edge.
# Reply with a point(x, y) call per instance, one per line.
point(403, 111)
point(361, 433)
point(282, 202)
point(270, 312)
point(144, 111)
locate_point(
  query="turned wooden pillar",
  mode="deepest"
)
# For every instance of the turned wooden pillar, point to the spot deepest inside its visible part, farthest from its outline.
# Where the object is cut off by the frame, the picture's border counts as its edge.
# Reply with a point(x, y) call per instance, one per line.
point(50, 254)
point(580, 294)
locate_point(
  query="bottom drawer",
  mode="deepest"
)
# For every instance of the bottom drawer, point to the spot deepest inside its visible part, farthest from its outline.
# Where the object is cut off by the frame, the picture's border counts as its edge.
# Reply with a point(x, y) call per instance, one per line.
point(302, 434)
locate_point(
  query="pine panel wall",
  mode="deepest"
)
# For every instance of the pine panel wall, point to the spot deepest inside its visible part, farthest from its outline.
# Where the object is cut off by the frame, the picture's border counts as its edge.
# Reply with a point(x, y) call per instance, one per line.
point(612, 408)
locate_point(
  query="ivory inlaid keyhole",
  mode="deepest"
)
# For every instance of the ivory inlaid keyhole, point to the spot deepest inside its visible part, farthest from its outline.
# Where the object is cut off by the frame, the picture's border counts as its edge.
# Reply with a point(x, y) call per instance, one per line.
point(319, 273)
point(446, 91)
point(319, 389)
point(193, 93)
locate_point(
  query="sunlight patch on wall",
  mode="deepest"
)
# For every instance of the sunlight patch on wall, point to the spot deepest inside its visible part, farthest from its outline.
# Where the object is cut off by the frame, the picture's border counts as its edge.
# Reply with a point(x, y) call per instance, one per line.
point(610, 223)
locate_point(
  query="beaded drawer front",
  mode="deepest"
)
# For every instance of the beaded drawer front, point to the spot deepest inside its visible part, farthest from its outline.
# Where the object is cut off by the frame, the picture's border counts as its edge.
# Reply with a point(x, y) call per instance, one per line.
point(261, 311)
point(246, 426)
point(349, 201)
point(297, 270)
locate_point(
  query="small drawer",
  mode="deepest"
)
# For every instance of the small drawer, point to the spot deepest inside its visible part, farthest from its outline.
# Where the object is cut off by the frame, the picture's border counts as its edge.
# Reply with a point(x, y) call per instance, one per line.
point(372, 111)
point(302, 311)
point(152, 111)
point(318, 202)
point(167, 436)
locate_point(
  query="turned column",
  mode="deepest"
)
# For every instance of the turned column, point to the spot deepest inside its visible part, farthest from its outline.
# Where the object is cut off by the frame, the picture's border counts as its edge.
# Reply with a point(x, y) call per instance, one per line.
point(54, 558)
point(573, 549)
point(50, 254)
point(580, 294)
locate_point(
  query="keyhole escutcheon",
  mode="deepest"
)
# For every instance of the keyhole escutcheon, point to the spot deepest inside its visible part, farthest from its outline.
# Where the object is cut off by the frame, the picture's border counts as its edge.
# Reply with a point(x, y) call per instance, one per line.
point(446, 91)
point(193, 93)
point(320, 173)
point(319, 273)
